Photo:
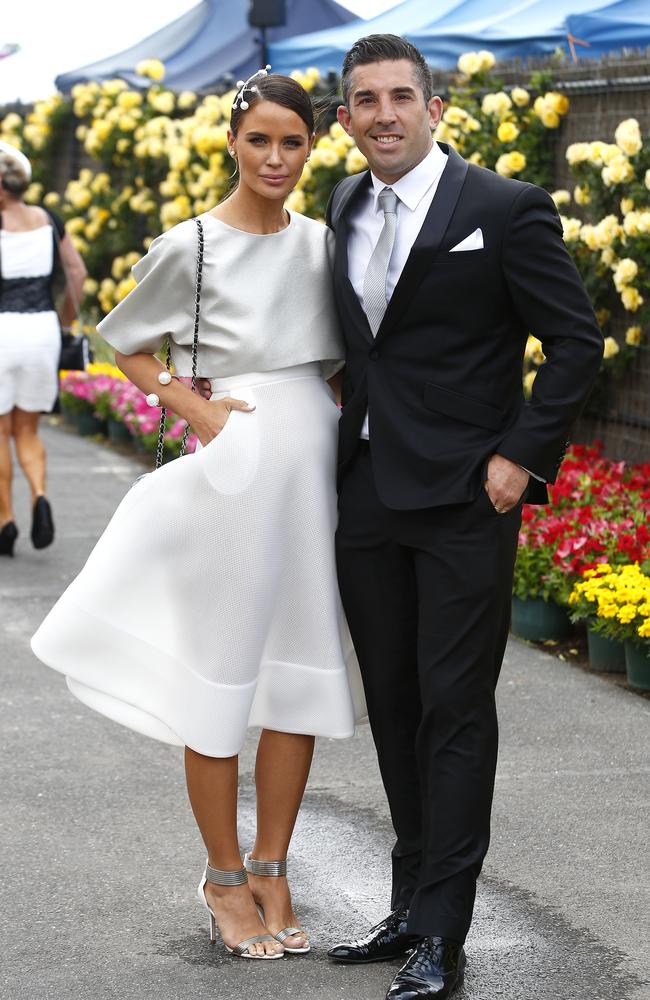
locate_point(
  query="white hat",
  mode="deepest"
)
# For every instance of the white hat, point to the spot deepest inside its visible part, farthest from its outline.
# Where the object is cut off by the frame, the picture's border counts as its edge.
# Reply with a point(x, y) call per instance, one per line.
point(19, 157)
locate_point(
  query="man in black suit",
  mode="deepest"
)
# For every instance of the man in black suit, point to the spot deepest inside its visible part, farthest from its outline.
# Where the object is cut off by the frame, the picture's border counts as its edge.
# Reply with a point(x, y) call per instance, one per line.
point(442, 270)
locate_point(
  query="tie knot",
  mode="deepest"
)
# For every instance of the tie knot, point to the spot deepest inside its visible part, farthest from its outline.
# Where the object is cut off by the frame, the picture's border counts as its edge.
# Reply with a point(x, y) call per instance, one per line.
point(388, 201)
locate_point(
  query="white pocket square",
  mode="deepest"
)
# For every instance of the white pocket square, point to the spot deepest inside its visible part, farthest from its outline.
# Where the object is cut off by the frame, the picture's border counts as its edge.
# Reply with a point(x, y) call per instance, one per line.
point(472, 242)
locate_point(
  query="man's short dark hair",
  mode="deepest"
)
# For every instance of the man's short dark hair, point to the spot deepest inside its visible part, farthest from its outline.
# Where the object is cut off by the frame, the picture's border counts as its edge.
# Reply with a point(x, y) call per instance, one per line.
point(380, 48)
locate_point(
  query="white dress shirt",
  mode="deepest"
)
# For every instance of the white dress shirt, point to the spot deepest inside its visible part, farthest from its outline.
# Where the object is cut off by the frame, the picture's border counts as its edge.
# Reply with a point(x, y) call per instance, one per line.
point(415, 192)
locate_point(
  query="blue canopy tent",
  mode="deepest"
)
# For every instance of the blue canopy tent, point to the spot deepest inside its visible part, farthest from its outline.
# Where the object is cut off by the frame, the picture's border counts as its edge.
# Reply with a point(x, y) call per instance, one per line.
point(212, 39)
point(620, 25)
point(508, 28)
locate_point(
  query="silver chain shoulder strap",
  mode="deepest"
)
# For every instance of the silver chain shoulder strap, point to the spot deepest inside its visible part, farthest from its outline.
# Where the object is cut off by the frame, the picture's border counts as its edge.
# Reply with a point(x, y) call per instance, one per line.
point(195, 348)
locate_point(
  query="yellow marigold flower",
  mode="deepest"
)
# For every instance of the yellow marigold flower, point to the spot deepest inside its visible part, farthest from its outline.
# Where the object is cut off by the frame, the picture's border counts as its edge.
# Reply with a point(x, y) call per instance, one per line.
point(633, 336)
point(355, 161)
point(153, 68)
point(507, 132)
point(469, 63)
point(631, 298)
point(611, 348)
point(644, 630)
point(628, 137)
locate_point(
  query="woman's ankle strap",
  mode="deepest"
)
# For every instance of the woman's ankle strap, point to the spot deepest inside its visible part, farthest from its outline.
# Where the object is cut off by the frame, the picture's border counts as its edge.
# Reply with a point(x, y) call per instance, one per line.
point(271, 869)
point(219, 877)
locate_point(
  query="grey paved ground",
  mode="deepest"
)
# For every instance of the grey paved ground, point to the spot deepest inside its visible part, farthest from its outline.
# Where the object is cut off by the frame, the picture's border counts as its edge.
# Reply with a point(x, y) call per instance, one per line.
point(100, 856)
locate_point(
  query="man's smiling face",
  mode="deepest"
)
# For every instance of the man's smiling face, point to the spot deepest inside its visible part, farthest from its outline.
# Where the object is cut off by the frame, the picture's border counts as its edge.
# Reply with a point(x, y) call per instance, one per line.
point(388, 117)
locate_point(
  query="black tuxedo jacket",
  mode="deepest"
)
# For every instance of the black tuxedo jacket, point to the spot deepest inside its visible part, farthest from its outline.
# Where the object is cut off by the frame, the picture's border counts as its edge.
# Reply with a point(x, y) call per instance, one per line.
point(442, 380)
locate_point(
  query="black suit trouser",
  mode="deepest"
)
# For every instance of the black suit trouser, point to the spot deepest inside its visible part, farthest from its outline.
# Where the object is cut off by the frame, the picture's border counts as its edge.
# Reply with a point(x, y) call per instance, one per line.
point(427, 595)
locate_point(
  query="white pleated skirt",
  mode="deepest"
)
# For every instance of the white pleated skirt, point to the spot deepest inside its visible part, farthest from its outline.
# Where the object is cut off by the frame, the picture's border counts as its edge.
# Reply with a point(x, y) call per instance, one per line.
point(210, 603)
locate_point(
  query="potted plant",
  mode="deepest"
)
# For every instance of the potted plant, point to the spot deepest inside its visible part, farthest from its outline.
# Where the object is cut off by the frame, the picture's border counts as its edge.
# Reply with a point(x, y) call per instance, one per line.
point(605, 652)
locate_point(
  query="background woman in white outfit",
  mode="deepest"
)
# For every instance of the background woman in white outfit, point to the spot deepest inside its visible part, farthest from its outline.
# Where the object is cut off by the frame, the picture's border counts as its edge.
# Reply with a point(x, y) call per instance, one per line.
point(30, 339)
point(211, 604)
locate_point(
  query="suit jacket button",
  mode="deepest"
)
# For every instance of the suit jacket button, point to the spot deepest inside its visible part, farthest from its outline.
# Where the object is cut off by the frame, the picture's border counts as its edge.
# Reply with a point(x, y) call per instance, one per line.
point(374, 354)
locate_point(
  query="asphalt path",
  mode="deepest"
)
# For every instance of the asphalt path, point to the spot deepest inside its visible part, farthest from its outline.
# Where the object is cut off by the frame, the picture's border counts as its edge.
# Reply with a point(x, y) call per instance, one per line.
point(101, 857)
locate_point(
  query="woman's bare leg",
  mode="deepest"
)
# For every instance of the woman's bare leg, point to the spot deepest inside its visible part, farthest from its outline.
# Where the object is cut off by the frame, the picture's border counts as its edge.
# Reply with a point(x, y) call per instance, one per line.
point(6, 470)
point(30, 450)
point(212, 788)
point(281, 772)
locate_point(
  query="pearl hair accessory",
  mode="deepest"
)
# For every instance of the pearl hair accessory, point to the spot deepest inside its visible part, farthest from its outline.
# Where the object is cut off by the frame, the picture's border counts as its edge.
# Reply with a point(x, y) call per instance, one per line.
point(246, 85)
point(165, 377)
point(152, 399)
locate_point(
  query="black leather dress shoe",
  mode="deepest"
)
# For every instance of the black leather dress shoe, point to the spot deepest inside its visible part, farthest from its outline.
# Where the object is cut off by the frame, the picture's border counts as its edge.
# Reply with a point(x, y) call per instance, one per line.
point(42, 524)
point(435, 969)
point(386, 940)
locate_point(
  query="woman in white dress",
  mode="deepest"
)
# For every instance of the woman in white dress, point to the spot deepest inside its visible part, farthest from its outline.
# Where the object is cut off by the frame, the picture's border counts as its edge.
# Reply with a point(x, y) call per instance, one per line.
point(30, 339)
point(210, 604)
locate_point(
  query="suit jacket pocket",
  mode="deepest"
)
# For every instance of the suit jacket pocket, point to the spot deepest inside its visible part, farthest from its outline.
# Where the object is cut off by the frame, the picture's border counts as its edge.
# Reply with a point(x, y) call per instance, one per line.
point(460, 407)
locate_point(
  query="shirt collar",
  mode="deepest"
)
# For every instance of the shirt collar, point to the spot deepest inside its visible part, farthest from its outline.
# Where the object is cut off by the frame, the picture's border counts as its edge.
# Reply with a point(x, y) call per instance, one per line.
point(412, 187)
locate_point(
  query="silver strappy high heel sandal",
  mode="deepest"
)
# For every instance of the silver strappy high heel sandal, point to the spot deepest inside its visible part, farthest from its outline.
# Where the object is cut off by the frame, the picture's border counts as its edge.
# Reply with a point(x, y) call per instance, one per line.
point(275, 869)
point(218, 877)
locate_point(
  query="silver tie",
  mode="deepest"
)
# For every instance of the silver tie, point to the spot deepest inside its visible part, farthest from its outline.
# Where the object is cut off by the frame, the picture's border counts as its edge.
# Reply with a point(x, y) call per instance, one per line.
point(374, 284)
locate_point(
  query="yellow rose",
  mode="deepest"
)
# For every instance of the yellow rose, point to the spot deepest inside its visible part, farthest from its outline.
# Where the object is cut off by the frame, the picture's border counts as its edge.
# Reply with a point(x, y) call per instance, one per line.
point(51, 199)
point(118, 267)
point(577, 152)
point(477, 159)
point(152, 68)
point(324, 157)
point(517, 161)
point(646, 179)
point(129, 99)
point(163, 101)
point(631, 298)
point(113, 87)
point(603, 316)
point(571, 229)
point(486, 60)
point(617, 171)
point(633, 336)
point(507, 132)
point(608, 257)
point(561, 197)
point(520, 96)
point(558, 102)
point(611, 348)
point(469, 63)
point(296, 201)
point(628, 137)
point(627, 204)
point(179, 158)
point(534, 350)
point(498, 104)
point(625, 272)
point(355, 161)
point(187, 99)
point(549, 118)
point(471, 124)
point(631, 223)
point(454, 115)
point(90, 286)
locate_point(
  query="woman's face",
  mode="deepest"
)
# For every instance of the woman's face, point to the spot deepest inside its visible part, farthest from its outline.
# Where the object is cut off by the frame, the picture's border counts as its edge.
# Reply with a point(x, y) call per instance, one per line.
point(271, 146)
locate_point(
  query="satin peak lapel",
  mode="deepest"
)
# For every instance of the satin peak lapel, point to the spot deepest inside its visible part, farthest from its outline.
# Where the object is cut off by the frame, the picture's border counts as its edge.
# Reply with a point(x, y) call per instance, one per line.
point(428, 239)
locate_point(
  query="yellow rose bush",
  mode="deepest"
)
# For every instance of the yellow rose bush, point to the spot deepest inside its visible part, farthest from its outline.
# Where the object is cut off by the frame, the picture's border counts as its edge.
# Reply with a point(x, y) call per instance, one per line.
point(608, 235)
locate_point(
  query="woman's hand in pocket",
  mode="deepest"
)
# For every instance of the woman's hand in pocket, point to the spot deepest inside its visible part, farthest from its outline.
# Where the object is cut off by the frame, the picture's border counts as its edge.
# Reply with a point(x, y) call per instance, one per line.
point(208, 418)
